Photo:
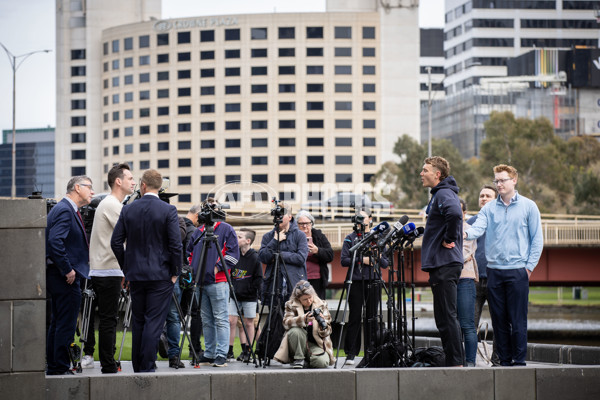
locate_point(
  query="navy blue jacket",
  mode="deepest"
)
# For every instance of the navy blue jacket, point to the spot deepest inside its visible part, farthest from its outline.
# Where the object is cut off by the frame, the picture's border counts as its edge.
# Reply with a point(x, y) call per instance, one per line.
point(360, 273)
point(444, 223)
point(66, 244)
point(293, 250)
point(480, 252)
point(151, 229)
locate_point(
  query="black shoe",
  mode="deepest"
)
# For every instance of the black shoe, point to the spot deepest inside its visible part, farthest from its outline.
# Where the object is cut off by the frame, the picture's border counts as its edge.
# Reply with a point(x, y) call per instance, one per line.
point(174, 363)
point(230, 355)
point(205, 360)
point(244, 357)
point(220, 361)
point(163, 346)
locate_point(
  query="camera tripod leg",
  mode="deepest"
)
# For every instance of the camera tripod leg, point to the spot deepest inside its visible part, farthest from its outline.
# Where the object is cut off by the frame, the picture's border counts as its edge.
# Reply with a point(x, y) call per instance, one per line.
point(343, 322)
point(126, 301)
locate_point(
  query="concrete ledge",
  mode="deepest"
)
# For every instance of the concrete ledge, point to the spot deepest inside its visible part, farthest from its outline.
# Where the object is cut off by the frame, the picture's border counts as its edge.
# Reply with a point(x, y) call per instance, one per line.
point(447, 383)
point(24, 385)
point(306, 384)
point(568, 383)
point(23, 213)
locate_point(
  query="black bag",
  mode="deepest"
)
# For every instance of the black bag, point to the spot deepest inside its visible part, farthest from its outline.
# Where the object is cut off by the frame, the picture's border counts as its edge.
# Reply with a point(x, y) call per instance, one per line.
point(429, 357)
point(275, 335)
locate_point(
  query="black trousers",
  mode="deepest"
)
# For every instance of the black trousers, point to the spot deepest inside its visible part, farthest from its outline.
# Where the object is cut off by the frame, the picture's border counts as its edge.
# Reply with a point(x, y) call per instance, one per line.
point(196, 319)
point(359, 296)
point(317, 284)
point(108, 291)
point(444, 281)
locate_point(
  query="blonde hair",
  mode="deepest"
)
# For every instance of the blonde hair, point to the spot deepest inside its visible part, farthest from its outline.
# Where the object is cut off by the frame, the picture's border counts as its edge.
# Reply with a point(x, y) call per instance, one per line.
point(303, 287)
point(441, 164)
point(511, 171)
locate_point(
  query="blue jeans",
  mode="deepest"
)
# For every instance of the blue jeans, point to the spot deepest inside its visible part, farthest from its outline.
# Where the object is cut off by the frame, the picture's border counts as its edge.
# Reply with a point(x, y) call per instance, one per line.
point(465, 305)
point(215, 319)
point(173, 324)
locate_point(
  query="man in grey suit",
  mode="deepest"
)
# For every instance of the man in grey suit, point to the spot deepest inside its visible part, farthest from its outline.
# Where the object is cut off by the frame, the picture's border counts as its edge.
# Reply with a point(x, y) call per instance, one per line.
point(151, 263)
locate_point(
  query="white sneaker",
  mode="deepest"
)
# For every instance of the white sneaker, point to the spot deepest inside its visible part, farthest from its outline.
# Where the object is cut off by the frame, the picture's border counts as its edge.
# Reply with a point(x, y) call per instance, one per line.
point(87, 362)
point(350, 360)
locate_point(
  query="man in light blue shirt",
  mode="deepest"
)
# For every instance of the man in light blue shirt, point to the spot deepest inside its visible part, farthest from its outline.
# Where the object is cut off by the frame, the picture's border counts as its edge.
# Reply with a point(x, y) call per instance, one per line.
point(513, 246)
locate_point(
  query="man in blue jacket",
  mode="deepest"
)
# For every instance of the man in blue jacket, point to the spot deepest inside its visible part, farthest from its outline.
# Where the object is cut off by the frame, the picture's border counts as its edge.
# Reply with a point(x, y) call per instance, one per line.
point(513, 245)
point(67, 263)
point(441, 253)
point(151, 263)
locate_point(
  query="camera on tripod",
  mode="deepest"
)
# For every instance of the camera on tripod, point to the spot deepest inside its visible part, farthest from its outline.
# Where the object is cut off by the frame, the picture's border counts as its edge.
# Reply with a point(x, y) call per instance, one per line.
point(212, 212)
point(278, 212)
point(316, 313)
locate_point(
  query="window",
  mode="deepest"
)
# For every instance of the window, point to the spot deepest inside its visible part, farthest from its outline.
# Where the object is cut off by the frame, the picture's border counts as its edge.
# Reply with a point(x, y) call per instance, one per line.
point(184, 162)
point(115, 133)
point(257, 160)
point(78, 87)
point(259, 89)
point(144, 164)
point(314, 106)
point(162, 94)
point(184, 127)
point(314, 70)
point(162, 39)
point(258, 70)
point(262, 178)
point(128, 114)
point(233, 161)
point(368, 88)
point(207, 36)
point(368, 124)
point(232, 53)
point(368, 32)
point(128, 97)
point(232, 143)
point(343, 141)
point(128, 79)
point(312, 160)
point(184, 92)
point(258, 53)
point(343, 124)
point(287, 124)
point(184, 110)
point(115, 46)
point(314, 123)
point(287, 70)
point(144, 41)
point(144, 147)
point(263, 106)
point(314, 32)
point(369, 142)
point(77, 137)
point(80, 71)
point(287, 52)
point(287, 88)
point(207, 72)
point(207, 144)
point(232, 107)
point(368, 70)
point(128, 62)
point(207, 90)
point(163, 163)
point(207, 180)
point(314, 52)
point(315, 177)
point(232, 125)
point(115, 81)
point(343, 87)
point(144, 60)
point(184, 37)
point(314, 142)
point(207, 108)
point(368, 51)
point(128, 148)
point(160, 76)
point(144, 95)
point(232, 71)
point(343, 51)
point(115, 150)
point(343, 106)
point(370, 160)
point(262, 142)
point(259, 124)
point(162, 111)
point(78, 54)
point(367, 177)
point(144, 130)
point(232, 34)
point(287, 160)
point(207, 126)
point(162, 128)
point(258, 33)
point(287, 142)
point(314, 87)
point(75, 171)
point(184, 180)
point(207, 55)
point(287, 32)
point(184, 74)
point(343, 32)
point(287, 106)
point(368, 106)
point(287, 178)
point(341, 178)
point(233, 178)
point(128, 43)
point(343, 69)
point(185, 56)
point(77, 104)
point(144, 112)
point(207, 162)
point(78, 121)
point(185, 198)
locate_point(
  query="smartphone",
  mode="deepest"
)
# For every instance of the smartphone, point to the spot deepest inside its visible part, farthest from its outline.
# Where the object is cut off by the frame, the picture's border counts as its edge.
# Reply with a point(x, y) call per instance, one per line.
point(309, 240)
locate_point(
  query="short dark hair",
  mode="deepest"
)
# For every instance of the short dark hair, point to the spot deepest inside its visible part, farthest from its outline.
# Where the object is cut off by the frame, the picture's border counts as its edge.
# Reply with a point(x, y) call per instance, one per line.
point(463, 205)
point(249, 233)
point(492, 188)
point(116, 172)
point(441, 164)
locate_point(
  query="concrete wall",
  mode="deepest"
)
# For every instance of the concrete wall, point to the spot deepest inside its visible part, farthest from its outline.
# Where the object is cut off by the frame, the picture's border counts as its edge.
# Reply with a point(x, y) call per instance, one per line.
point(22, 299)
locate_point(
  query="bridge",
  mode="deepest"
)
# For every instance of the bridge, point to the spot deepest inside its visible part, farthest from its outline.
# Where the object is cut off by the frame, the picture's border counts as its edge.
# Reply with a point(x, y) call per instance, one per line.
point(570, 257)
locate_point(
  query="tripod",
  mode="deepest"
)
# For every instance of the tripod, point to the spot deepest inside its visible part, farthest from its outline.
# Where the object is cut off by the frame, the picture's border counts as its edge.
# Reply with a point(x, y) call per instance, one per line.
point(84, 322)
point(209, 239)
point(124, 305)
point(275, 294)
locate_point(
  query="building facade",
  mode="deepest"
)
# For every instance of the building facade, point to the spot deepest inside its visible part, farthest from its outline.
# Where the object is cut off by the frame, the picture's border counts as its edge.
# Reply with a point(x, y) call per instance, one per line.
point(296, 106)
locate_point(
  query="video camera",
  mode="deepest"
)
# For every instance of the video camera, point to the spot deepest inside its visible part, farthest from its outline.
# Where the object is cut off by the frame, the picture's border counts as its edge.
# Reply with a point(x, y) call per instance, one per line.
point(278, 212)
point(212, 212)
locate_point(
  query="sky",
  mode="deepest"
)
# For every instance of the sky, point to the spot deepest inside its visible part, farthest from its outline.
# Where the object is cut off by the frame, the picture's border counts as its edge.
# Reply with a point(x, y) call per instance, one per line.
point(29, 25)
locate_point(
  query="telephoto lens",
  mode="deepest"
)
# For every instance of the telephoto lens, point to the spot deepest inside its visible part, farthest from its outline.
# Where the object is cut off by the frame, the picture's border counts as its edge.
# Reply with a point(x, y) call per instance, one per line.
point(317, 314)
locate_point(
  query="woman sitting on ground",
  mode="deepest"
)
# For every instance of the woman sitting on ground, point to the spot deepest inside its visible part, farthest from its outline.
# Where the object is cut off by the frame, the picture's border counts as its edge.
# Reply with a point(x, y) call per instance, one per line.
point(306, 342)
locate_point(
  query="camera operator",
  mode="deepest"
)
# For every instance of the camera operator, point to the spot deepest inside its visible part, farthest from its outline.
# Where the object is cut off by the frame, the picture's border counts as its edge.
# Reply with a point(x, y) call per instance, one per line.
point(215, 290)
point(293, 250)
point(361, 277)
point(307, 323)
point(319, 253)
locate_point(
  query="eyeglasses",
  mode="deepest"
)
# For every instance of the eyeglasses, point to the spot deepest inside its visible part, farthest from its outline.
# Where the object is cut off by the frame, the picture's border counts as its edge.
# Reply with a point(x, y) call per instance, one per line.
point(87, 185)
point(304, 223)
point(497, 181)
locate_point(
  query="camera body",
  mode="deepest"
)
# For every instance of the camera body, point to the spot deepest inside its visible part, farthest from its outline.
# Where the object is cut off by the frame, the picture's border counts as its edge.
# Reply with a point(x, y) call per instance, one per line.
point(278, 211)
point(212, 212)
point(316, 313)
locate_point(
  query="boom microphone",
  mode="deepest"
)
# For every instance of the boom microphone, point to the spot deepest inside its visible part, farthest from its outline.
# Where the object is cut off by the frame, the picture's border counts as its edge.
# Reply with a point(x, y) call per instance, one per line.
point(382, 227)
point(395, 228)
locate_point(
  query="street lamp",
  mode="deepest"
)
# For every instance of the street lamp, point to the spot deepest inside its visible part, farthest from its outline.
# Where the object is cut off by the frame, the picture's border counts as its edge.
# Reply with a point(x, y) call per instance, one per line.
point(15, 65)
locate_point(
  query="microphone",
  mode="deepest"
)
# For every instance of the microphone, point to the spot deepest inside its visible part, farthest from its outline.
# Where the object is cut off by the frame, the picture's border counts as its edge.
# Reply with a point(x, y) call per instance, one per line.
point(382, 227)
point(411, 237)
point(395, 228)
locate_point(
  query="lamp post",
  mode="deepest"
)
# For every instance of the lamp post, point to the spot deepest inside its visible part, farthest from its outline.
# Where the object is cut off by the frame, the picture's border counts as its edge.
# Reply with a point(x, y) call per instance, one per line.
point(429, 111)
point(15, 64)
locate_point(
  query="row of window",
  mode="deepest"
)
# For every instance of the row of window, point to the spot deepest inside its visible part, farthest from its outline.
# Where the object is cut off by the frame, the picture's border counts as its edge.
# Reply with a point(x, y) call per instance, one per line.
point(465, 8)
point(128, 62)
point(233, 34)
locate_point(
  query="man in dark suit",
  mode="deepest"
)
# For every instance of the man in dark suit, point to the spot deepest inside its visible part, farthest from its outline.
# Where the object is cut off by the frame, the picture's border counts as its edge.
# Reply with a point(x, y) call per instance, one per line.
point(151, 263)
point(67, 263)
